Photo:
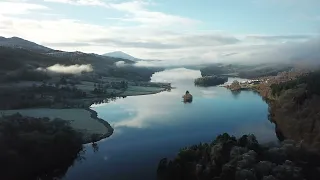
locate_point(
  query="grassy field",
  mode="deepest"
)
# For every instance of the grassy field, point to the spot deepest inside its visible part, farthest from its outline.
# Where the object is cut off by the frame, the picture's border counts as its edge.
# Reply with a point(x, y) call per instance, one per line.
point(80, 119)
point(140, 90)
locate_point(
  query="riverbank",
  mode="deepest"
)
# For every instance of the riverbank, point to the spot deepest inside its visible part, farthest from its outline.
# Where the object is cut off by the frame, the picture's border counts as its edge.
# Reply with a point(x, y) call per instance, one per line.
point(293, 100)
point(84, 121)
point(140, 90)
point(81, 117)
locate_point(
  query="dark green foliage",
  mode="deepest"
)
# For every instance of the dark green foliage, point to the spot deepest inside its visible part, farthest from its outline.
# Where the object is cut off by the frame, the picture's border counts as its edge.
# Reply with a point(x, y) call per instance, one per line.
point(36, 147)
point(228, 158)
point(223, 138)
point(21, 59)
point(261, 72)
point(12, 59)
point(38, 96)
point(278, 88)
point(132, 73)
point(25, 75)
point(63, 80)
point(95, 137)
point(188, 155)
point(311, 81)
point(210, 81)
point(244, 71)
point(215, 70)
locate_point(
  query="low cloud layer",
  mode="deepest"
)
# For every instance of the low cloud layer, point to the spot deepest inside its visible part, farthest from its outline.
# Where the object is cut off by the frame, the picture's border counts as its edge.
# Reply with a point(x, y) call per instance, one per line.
point(302, 52)
point(139, 29)
point(73, 69)
point(121, 64)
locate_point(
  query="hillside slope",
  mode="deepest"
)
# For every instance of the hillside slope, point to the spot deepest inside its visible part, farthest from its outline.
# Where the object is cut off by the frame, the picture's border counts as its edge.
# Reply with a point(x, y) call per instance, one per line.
point(16, 42)
point(296, 109)
point(120, 54)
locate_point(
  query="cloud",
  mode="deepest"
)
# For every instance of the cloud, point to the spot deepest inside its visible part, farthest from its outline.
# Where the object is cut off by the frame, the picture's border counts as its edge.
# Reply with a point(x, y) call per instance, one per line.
point(291, 52)
point(136, 12)
point(73, 69)
point(131, 43)
point(171, 42)
point(301, 51)
point(67, 44)
point(139, 13)
point(176, 74)
point(19, 8)
point(279, 37)
point(121, 64)
point(146, 34)
point(80, 2)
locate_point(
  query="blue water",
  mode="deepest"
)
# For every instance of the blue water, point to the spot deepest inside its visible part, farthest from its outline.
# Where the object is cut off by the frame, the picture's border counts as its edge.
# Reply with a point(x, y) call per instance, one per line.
point(150, 127)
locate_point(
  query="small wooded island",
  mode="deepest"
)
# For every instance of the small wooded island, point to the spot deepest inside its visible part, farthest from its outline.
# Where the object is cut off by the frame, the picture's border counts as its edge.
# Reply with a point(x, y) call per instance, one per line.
point(187, 98)
point(207, 81)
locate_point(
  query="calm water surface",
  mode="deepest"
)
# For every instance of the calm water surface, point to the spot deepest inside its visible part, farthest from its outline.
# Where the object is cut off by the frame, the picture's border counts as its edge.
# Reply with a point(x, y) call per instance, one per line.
point(150, 127)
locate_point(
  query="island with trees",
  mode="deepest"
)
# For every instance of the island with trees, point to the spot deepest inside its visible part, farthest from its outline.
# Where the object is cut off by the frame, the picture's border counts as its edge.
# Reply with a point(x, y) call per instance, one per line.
point(207, 81)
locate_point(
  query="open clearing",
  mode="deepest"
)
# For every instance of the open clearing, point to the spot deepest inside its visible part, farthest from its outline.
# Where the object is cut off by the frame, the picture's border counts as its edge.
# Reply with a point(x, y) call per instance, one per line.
point(80, 119)
point(140, 90)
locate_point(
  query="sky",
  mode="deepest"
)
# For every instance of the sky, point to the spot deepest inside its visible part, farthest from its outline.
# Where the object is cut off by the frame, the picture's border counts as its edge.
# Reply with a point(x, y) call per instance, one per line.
point(178, 31)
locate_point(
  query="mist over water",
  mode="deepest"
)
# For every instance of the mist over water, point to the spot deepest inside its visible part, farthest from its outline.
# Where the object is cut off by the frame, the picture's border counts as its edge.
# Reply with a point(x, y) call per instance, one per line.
point(148, 128)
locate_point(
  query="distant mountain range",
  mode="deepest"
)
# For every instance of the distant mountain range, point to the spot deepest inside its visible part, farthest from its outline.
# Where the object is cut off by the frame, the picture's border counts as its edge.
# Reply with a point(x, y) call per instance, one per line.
point(122, 55)
point(19, 43)
point(19, 57)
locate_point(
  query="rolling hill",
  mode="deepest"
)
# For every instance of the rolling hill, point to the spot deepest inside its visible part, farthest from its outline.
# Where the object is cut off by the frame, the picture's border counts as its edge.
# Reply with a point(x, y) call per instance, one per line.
point(16, 42)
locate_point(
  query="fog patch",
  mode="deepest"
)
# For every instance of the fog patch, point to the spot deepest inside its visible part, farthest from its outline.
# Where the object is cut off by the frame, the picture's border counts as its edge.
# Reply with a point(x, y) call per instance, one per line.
point(174, 75)
point(146, 64)
point(121, 64)
point(72, 69)
point(275, 49)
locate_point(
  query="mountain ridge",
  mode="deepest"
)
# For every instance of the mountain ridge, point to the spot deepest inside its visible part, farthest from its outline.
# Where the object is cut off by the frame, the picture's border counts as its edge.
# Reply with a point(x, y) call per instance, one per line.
point(120, 54)
point(17, 42)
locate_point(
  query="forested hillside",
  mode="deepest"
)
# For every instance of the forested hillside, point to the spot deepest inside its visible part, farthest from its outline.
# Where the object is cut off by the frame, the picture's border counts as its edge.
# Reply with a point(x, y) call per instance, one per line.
point(295, 108)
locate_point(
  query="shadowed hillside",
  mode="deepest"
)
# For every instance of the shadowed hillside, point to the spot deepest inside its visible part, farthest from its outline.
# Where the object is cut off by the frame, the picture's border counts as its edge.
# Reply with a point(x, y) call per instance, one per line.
point(34, 148)
point(295, 108)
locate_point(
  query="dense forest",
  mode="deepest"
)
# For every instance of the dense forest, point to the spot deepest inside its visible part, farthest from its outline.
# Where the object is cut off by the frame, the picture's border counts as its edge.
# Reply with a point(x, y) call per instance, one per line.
point(229, 158)
point(295, 109)
point(210, 81)
point(21, 65)
point(34, 148)
point(244, 71)
point(311, 81)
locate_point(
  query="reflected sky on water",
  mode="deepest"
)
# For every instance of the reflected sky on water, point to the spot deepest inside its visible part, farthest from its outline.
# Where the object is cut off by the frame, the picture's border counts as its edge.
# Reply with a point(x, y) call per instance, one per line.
point(150, 127)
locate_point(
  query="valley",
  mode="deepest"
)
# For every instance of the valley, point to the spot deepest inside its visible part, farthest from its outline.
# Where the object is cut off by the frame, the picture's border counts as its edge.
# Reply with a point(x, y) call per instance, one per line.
point(93, 99)
point(35, 78)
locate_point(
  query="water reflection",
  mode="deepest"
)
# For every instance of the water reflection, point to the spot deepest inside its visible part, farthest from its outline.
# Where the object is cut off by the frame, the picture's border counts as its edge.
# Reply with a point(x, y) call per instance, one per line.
point(106, 100)
point(150, 127)
point(176, 75)
point(95, 147)
point(187, 101)
point(235, 94)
